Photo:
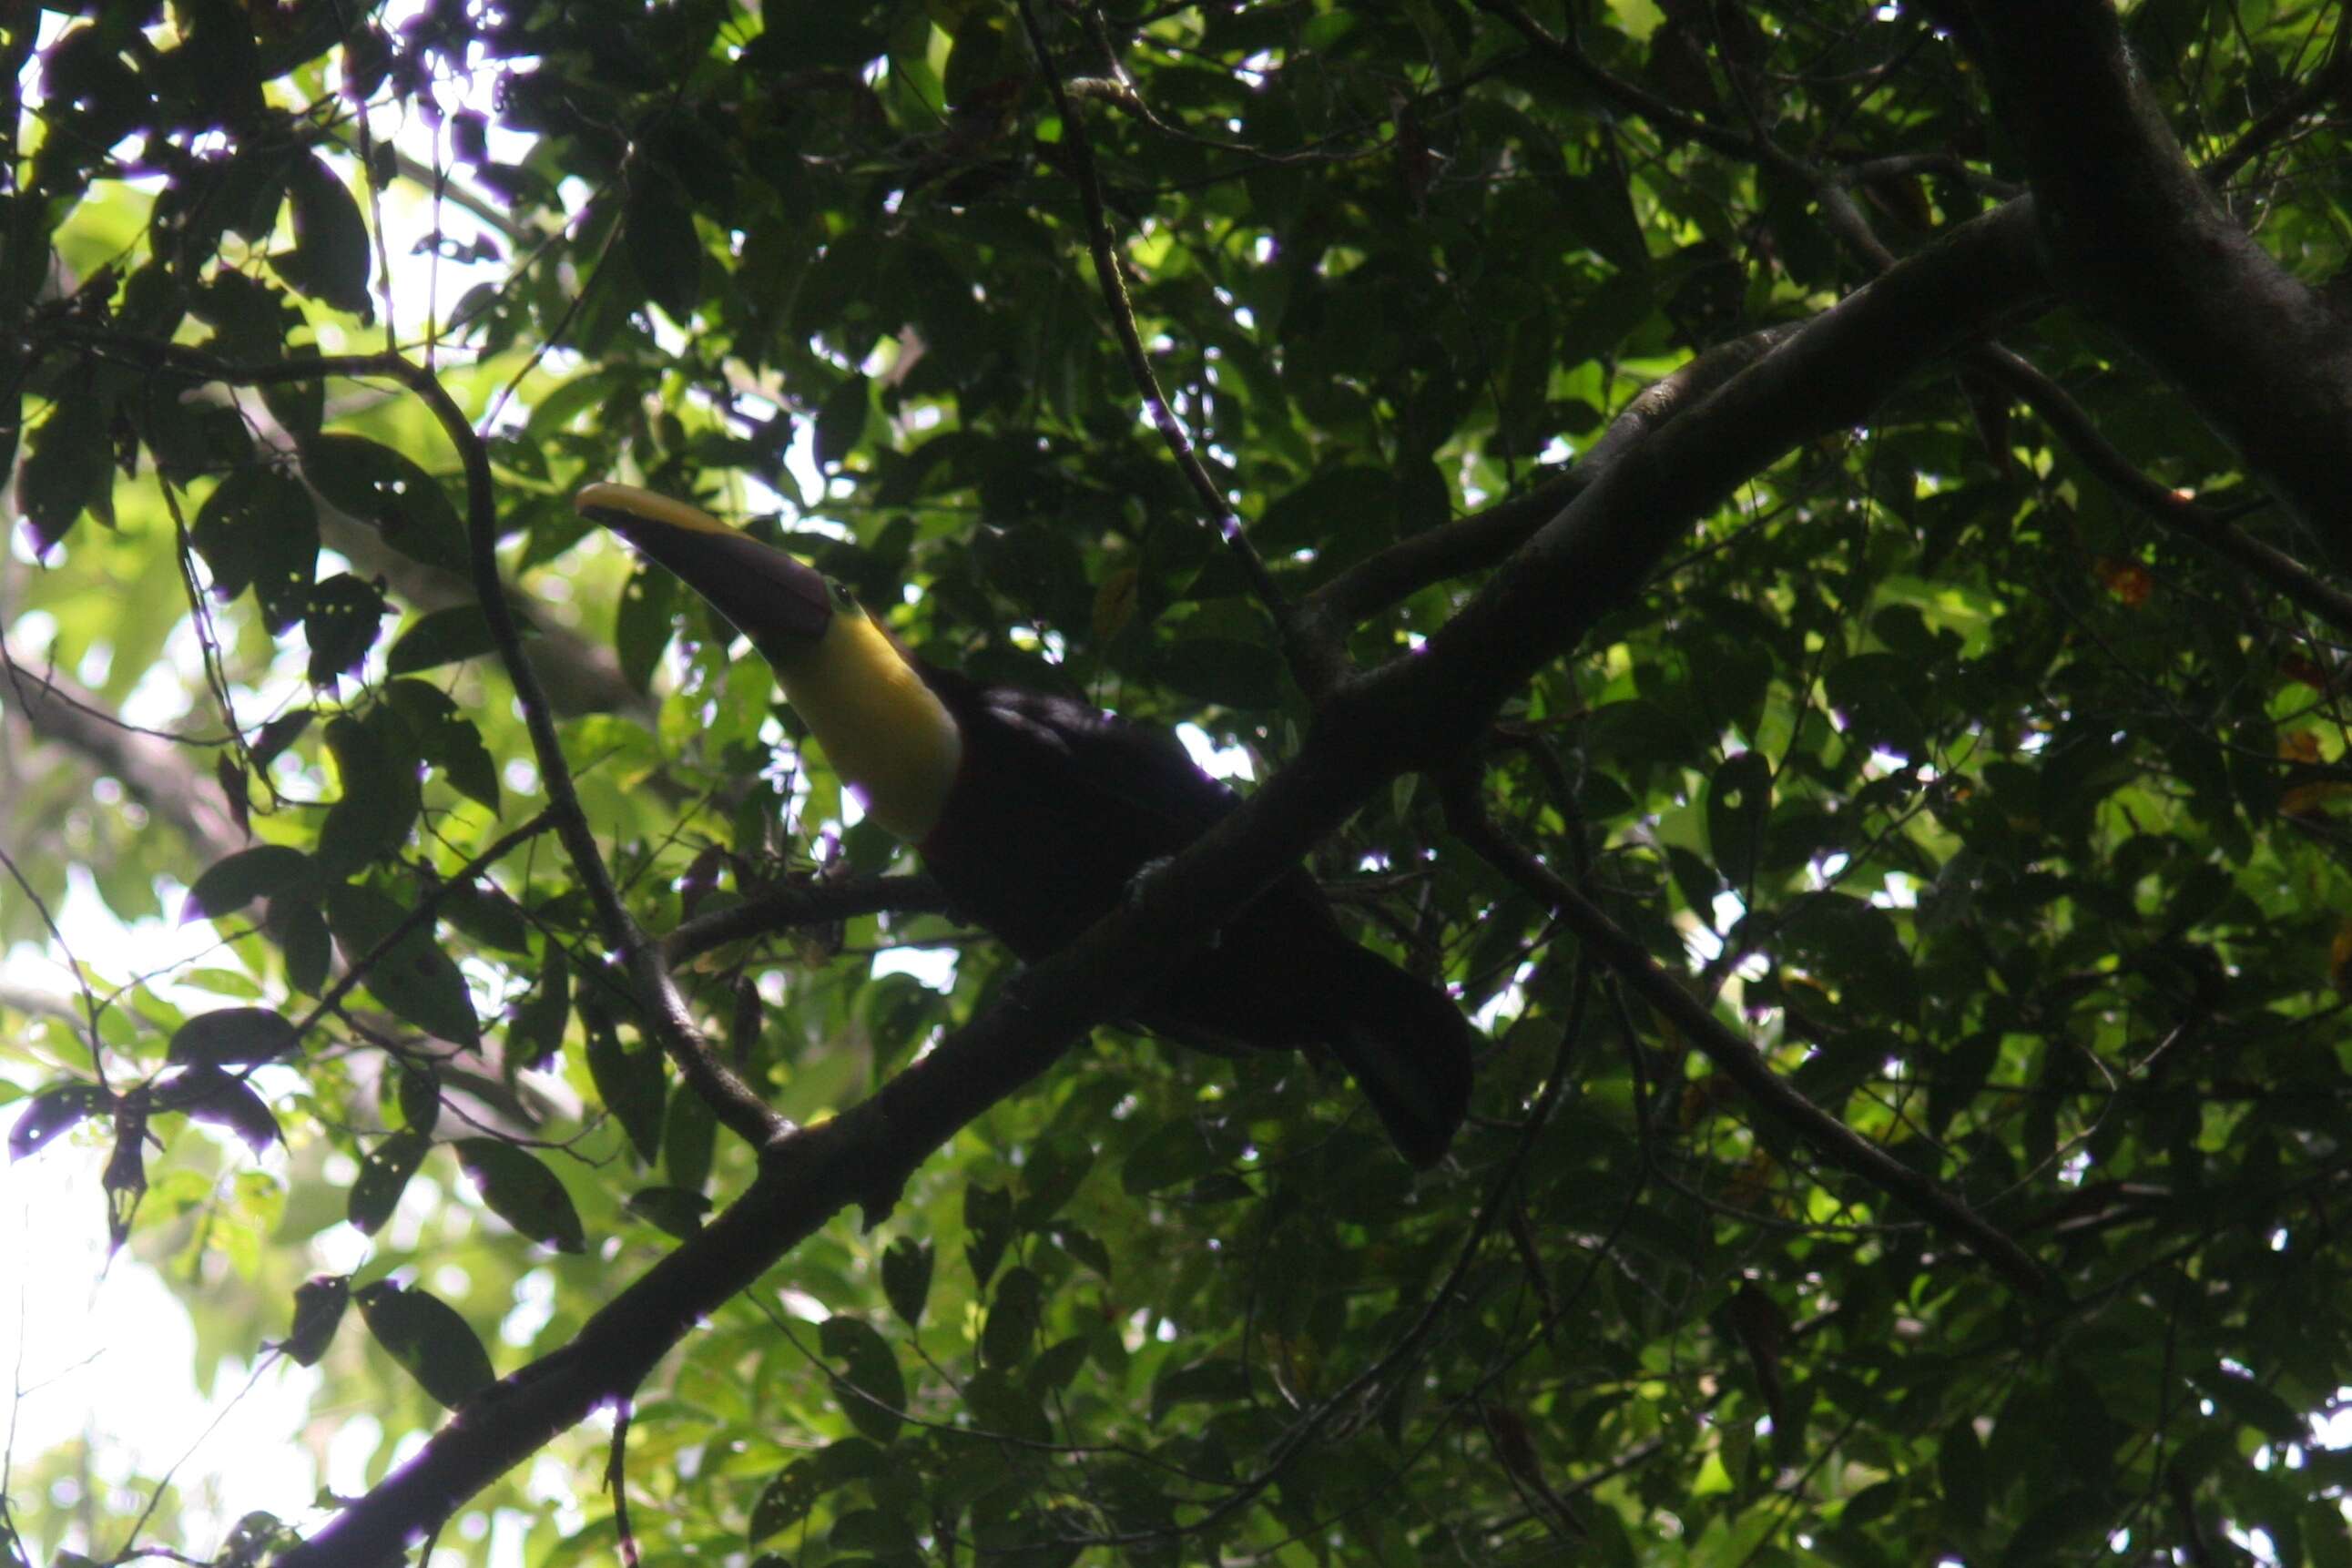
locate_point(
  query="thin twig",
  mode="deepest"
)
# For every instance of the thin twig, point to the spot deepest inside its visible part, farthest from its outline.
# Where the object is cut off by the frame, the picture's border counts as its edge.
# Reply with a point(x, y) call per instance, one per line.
point(1314, 660)
point(361, 964)
point(730, 1099)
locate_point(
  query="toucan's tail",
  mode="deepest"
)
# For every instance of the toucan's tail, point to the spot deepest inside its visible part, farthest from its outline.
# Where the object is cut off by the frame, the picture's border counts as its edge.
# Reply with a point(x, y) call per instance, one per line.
point(1407, 1045)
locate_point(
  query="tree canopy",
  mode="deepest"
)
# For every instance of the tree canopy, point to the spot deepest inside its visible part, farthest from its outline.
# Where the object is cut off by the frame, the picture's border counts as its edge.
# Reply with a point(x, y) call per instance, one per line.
point(1789, 555)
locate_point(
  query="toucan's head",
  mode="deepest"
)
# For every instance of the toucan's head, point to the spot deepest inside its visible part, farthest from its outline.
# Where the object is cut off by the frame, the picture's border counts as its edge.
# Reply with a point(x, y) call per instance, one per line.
point(885, 731)
point(783, 606)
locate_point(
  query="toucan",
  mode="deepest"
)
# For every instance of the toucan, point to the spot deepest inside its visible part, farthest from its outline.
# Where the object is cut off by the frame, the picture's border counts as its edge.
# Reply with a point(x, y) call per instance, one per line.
point(1035, 812)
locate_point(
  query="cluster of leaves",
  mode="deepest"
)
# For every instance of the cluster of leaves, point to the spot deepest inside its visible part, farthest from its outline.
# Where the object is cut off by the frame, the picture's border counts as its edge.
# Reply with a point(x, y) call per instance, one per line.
point(2003, 818)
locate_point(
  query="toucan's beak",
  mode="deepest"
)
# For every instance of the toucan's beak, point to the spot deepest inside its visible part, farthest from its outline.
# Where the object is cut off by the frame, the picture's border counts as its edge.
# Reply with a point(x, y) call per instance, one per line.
point(774, 600)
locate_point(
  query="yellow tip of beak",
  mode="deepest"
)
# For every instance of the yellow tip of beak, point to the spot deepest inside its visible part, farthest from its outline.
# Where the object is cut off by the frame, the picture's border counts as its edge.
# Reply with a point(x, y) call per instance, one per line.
point(610, 504)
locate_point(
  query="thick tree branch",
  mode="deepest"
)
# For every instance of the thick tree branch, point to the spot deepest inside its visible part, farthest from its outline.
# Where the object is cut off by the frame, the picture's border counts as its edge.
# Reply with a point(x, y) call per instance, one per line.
point(802, 904)
point(1423, 710)
point(2136, 237)
point(1488, 538)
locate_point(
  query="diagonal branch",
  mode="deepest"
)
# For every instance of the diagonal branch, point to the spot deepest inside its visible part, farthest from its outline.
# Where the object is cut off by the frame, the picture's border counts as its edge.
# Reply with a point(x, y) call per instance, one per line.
point(1420, 711)
point(2137, 239)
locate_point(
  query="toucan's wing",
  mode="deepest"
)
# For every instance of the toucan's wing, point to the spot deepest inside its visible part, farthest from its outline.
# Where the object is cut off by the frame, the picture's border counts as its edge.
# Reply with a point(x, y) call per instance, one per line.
point(1146, 772)
point(1056, 807)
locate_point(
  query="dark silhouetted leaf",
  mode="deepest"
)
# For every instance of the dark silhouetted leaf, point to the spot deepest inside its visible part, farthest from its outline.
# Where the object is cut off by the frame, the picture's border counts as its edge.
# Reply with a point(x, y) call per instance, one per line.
point(319, 1305)
point(330, 260)
point(51, 1111)
point(259, 529)
point(675, 1210)
point(414, 977)
point(841, 421)
point(383, 1175)
point(907, 1279)
point(208, 1094)
point(443, 636)
point(535, 1033)
point(232, 1036)
point(69, 470)
point(427, 1337)
point(447, 738)
point(229, 884)
point(657, 227)
point(418, 1092)
point(876, 1396)
point(1011, 1332)
point(629, 1082)
point(391, 494)
point(1738, 805)
point(1224, 670)
point(379, 802)
point(522, 1191)
point(339, 622)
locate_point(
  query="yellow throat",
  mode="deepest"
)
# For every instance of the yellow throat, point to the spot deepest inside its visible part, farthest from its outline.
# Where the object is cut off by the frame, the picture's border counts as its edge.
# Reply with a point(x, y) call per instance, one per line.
point(885, 733)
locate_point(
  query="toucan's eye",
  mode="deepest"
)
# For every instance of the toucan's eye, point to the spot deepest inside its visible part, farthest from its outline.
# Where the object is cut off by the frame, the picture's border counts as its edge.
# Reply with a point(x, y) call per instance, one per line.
point(844, 598)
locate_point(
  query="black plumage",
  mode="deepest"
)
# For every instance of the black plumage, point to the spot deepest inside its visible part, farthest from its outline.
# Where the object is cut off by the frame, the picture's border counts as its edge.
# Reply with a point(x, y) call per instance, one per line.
point(1055, 808)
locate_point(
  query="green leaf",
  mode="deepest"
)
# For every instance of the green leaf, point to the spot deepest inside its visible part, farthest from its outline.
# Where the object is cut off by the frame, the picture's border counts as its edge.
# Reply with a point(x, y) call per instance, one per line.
point(414, 978)
point(1050, 1178)
point(657, 230)
point(232, 1036)
point(841, 421)
point(379, 802)
point(907, 1279)
point(522, 1191)
point(426, 1336)
point(417, 1090)
point(785, 1501)
point(229, 884)
point(447, 738)
point(331, 259)
point(629, 1082)
point(391, 494)
point(442, 636)
point(1738, 805)
point(988, 1225)
point(689, 1138)
point(1011, 1332)
point(871, 1370)
point(383, 1175)
point(676, 1210)
point(536, 1031)
point(1174, 1152)
point(643, 624)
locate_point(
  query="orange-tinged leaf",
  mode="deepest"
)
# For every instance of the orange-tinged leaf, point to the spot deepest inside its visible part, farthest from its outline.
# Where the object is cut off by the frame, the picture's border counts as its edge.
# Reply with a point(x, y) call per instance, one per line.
point(2126, 580)
point(2296, 667)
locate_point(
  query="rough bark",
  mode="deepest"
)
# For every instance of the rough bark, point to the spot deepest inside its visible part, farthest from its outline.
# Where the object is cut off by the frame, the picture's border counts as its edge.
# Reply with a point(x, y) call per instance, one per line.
point(2135, 237)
